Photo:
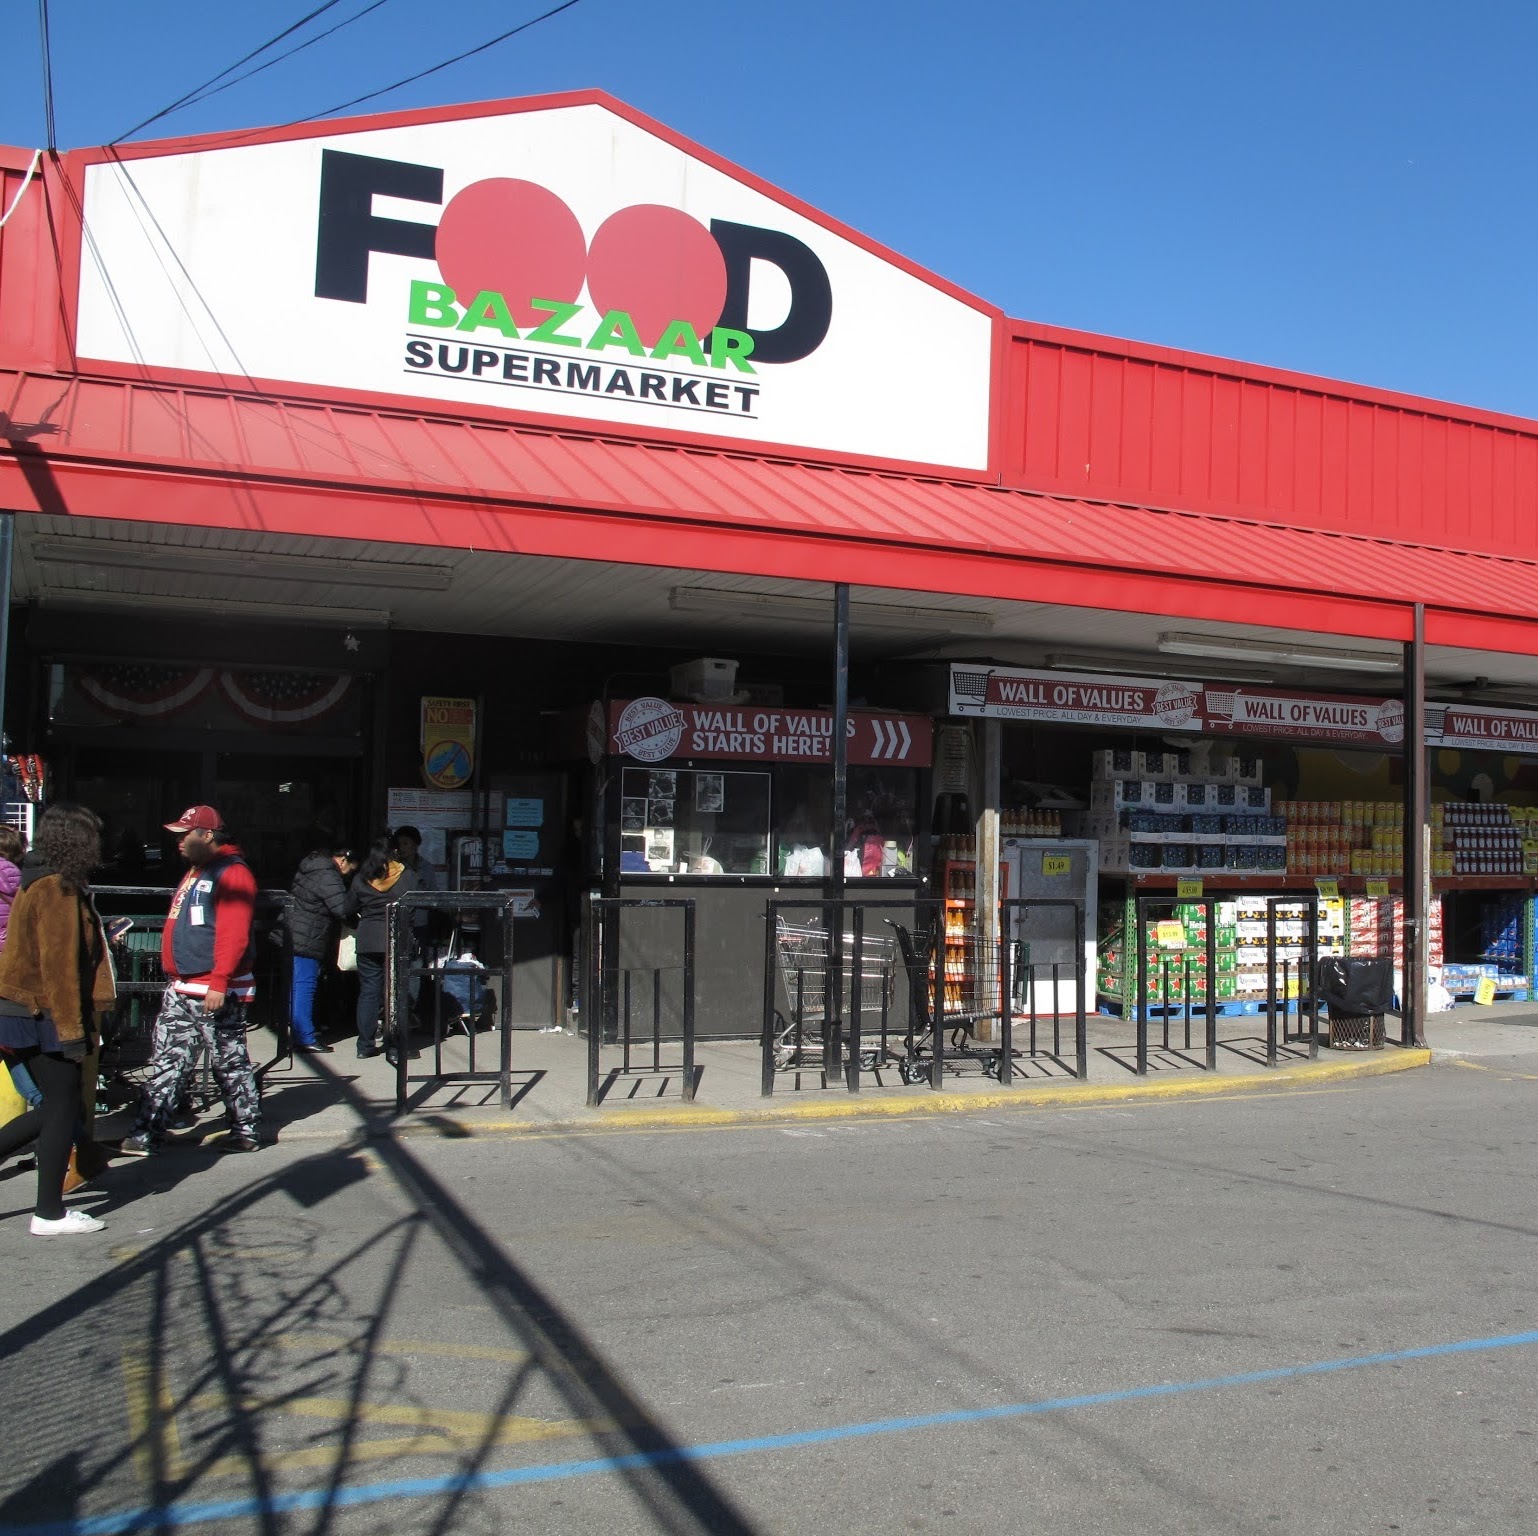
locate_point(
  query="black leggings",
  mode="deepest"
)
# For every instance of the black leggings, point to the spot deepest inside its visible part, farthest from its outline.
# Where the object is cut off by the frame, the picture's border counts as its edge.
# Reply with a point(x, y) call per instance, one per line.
point(52, 1123)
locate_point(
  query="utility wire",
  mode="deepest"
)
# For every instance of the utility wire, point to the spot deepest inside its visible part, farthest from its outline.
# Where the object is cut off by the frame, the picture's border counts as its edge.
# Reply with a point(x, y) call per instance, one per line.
point(42, 26)
point(182, 101)
point(469, 53)
point(202, 94)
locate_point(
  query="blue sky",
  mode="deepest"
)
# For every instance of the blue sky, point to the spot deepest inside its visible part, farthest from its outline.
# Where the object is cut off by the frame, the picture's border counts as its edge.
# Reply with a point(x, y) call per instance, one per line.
point(1344, 189)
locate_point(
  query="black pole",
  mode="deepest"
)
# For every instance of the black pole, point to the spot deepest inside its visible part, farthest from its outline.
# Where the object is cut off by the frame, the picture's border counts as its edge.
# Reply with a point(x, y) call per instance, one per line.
point(7, 534)
point(1412, 1001)
point(832, 1049)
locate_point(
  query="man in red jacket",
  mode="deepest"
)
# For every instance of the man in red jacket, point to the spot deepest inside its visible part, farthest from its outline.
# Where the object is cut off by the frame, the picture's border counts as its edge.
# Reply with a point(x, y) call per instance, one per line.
point(206, 952)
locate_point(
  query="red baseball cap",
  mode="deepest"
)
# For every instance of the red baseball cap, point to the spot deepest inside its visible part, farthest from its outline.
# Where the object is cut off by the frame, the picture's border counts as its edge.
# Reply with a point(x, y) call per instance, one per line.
point(197, 818)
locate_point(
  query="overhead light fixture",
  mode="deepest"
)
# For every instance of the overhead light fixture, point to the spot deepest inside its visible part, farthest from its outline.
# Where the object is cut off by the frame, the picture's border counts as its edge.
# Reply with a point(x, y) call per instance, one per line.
point(1292, 653)
point(118, 555)
point(1153, 666)
point(128, 602)
point(819, 610)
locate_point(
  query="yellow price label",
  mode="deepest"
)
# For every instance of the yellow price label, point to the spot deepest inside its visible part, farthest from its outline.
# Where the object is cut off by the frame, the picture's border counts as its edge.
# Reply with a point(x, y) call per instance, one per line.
point(1171, 933)
point(1188, 890)
point(1056, 863)
point(1484, 991)
point(1378, 889)
point(1328, 888)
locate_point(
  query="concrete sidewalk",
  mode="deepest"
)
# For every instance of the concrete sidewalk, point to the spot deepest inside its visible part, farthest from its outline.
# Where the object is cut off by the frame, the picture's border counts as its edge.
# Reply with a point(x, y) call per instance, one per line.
point(331, 1095)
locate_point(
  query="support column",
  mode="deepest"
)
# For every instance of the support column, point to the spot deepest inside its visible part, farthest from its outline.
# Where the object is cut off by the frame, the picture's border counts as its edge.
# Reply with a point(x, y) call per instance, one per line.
point(834, 1047)
point(1417, 836)
point(986, 910)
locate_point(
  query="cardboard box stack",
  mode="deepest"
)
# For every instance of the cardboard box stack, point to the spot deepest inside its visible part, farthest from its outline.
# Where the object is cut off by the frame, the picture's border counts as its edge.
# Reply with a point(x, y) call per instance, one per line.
point(1176, 951)
point(1152, 814)
point(1376, 927)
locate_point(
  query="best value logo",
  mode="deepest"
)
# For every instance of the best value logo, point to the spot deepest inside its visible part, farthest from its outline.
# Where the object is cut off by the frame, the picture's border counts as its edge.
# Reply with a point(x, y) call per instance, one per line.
point(665, 290)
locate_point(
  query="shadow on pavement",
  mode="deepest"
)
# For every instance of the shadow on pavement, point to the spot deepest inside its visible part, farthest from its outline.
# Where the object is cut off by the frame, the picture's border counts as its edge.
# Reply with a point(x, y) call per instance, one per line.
point(241, 1367)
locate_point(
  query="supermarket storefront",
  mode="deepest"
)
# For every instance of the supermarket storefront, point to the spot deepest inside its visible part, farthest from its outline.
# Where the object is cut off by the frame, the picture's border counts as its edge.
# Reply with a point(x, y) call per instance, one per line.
point(565, 367)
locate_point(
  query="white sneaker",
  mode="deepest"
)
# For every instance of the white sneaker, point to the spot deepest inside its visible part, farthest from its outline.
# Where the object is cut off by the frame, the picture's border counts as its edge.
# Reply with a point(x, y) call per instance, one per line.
point(70, 1224)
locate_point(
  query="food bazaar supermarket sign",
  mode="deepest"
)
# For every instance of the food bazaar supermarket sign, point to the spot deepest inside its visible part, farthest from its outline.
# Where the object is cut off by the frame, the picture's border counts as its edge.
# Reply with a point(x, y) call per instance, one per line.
point(567, 260)
point(653, 730)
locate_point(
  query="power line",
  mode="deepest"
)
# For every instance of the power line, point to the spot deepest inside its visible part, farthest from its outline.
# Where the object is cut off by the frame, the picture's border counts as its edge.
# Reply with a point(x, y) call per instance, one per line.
point(42, 26)
point(469, 53)
point(182, 101)
point(202, 95)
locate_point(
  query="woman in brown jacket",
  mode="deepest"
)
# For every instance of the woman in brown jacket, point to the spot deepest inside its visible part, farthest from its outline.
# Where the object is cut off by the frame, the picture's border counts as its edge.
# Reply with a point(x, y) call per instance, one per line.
point(55, 983)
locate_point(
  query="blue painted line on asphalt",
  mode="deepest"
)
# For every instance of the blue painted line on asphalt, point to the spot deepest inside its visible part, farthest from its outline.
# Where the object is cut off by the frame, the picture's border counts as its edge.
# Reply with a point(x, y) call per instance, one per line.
point(150, 1517)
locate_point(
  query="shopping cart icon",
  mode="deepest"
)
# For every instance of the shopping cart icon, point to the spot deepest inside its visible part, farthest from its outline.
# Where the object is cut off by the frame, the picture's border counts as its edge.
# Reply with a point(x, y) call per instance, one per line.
point(970, 685)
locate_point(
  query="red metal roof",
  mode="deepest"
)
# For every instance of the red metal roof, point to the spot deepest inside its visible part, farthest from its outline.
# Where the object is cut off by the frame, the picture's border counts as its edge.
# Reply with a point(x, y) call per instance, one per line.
point(182, 455)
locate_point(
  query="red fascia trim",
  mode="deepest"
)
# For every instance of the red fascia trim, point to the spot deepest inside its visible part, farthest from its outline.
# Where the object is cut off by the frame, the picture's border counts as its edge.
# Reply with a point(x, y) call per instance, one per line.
point(248, 503)
point(1262, 373)
point(428, 408)
point(1481, 632)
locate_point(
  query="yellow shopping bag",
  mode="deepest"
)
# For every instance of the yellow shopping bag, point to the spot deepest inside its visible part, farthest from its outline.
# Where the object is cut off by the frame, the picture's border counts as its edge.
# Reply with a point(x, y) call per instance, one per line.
point(11, 1102)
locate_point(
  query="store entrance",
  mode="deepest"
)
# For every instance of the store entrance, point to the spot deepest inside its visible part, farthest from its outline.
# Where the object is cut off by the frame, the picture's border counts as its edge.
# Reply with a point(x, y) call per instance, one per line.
point(279, 804)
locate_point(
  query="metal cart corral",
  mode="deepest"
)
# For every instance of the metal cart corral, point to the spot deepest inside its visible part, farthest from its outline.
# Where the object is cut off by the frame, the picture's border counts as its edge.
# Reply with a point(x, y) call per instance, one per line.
point(806, 1013)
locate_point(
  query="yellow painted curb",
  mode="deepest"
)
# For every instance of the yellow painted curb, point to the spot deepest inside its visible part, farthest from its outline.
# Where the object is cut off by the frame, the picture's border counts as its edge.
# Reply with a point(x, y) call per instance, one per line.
point(894, 1105)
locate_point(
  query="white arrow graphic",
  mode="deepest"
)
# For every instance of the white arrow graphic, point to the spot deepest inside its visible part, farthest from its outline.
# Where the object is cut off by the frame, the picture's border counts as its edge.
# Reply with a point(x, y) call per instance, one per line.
point(893, 738)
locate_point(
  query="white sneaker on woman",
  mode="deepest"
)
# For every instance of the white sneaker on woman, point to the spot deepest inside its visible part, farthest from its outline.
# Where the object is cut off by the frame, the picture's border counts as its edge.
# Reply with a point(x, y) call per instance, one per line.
point(70, 1224)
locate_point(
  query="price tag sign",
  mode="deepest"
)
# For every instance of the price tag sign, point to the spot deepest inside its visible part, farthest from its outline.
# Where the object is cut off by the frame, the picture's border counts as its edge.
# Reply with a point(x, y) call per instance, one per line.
point(1171, 933)
point(1484, 991)
point(1188, 890)
point(1328, 888)
point(1056, 864)
point(1378, 889)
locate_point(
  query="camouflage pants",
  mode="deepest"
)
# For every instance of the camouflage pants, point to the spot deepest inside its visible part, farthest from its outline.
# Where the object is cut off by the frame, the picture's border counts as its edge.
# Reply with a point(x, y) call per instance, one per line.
point(179, 1030)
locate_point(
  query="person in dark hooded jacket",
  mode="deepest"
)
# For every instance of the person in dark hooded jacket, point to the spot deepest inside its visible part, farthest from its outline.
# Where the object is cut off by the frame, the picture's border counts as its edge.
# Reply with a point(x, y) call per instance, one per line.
point(318, 904)
point(378, 885)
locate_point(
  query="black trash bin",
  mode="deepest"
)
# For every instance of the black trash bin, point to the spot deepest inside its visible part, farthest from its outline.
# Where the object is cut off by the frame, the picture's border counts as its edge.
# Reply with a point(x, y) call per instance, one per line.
point(1357, 990)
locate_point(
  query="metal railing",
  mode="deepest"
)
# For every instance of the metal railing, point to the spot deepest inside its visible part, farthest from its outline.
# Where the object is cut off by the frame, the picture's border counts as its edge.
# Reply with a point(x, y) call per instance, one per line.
point(817, 953)
point(1297, 984)
point(1173, 985)
point(405, 963)
point(1027, 994)
point(832, 988)
point(610, 1002)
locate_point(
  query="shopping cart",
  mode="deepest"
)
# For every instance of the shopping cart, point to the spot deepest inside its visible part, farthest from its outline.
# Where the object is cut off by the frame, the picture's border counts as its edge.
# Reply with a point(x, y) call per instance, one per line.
point(127, 1032)
point(954, 985)
point(806, 1020)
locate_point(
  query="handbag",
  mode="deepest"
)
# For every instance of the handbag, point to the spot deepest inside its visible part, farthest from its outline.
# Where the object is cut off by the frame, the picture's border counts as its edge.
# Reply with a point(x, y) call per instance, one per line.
point(347, 952)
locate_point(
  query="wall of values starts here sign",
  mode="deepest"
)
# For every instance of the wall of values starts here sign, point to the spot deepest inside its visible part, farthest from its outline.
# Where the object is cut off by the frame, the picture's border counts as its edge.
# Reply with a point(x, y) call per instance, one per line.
point(652, 730)
point(562, 260)
point(1223, 709)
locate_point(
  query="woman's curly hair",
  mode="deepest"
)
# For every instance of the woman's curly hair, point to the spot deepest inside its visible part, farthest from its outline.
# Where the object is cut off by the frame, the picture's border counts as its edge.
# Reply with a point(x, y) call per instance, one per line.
point(69, 842)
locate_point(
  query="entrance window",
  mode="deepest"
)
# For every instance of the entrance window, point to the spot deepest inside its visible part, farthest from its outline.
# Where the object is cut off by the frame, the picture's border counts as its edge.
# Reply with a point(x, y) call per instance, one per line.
point(280, 808)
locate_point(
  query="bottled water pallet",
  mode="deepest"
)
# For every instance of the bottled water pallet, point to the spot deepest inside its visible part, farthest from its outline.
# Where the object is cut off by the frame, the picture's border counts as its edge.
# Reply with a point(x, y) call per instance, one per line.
point(1229, 1008)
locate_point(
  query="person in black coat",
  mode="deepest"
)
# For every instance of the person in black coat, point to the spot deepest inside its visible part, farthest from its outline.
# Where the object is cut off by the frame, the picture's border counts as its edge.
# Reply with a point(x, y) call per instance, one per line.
point(318, 903)
point(379, 883)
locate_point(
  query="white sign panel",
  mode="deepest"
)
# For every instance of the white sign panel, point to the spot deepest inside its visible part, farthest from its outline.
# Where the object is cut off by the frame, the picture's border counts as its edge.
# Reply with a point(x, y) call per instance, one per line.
point(563, 261)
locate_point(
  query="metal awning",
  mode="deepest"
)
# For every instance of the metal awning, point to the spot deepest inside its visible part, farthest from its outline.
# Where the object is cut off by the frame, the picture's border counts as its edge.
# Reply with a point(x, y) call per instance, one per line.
point(80, 447)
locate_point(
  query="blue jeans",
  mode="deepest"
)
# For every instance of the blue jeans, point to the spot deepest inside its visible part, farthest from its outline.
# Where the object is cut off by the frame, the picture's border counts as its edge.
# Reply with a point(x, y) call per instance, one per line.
point(301, 999)
point(370, 997)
